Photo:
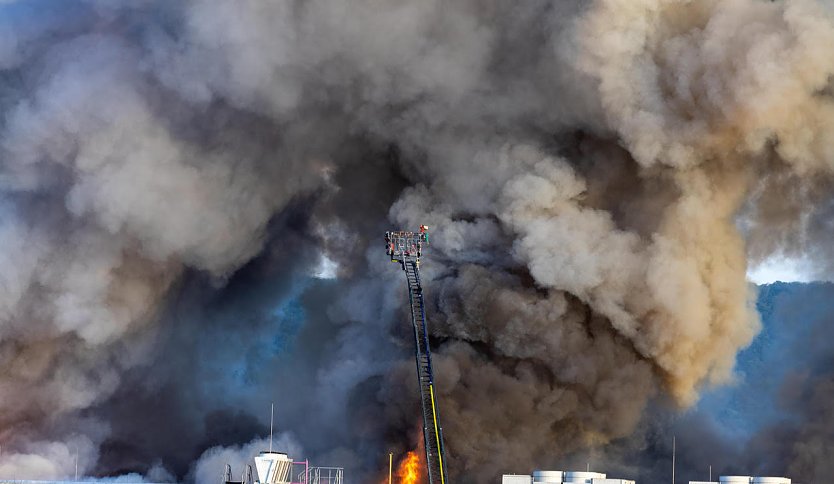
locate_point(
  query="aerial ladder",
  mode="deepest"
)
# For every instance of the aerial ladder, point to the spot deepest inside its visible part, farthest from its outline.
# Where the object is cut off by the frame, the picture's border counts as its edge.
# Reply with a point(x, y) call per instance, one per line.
point(407, 248)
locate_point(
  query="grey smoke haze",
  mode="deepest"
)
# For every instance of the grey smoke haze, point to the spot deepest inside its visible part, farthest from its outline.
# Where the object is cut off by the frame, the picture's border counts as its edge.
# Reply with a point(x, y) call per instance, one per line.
point(596, 174)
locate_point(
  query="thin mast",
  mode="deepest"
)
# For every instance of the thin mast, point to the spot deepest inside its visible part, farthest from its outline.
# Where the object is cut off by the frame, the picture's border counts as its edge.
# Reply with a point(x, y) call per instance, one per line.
point(673, 459)
point(271, 422)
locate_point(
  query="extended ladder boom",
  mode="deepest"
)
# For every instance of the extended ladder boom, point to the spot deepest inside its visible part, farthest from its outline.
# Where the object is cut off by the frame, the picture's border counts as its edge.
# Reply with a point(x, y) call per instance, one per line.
point(406, 248)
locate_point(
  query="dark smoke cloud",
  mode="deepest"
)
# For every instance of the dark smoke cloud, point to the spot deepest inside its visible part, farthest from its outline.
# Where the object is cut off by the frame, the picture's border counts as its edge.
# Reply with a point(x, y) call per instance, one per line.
point(596, 176)
point(775, 420)
point(802, 435)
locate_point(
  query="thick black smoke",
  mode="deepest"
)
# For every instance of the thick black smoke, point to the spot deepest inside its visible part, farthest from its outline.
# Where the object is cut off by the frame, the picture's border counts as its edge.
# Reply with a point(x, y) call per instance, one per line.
point(596, 175)
point(776, 420)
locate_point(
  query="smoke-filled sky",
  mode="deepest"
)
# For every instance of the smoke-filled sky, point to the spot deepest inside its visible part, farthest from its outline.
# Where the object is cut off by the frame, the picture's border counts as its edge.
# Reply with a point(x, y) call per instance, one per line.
point(599, 177)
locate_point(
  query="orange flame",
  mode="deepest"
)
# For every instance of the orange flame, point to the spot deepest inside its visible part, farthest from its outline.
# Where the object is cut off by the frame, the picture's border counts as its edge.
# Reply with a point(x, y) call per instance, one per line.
point(409, 469)
point(412, 467)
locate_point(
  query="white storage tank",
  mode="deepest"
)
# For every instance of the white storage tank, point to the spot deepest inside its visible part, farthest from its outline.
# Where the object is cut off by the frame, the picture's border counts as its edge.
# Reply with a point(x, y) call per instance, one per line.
point(576, 477)
point(735, 479)
point(771, 480)
point(547, 477)
point(516, 479)
point(273, 467)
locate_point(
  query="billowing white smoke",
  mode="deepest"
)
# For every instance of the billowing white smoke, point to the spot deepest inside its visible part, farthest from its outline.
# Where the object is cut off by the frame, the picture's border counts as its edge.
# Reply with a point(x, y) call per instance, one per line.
point(583, 166)
point(46, 460)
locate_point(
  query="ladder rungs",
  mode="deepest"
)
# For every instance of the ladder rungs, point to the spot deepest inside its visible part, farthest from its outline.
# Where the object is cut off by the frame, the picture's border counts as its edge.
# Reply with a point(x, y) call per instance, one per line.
point(424, 371)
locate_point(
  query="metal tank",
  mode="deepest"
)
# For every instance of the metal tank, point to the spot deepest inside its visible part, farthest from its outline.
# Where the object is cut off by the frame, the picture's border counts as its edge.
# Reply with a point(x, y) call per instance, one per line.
point(583, 477)
point(516, 479)
point(273, 467)
point(540, 477)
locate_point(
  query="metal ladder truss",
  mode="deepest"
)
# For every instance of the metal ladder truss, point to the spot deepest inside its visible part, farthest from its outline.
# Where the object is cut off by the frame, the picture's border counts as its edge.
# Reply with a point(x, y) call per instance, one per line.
point(432, 430)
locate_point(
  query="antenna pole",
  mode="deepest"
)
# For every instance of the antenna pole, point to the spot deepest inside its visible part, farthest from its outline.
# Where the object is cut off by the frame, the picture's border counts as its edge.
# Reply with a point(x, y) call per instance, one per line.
point(390, 466)
point(673, 459)
point(271, 422)
point(710, 473)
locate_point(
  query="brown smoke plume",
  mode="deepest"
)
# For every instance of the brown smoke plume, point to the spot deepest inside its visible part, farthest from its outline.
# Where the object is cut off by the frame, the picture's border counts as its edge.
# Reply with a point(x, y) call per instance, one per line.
point(596, 174)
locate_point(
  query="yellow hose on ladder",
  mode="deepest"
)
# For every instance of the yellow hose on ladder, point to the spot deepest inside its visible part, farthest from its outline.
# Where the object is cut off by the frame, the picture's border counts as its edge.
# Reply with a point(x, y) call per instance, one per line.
point(436, 434)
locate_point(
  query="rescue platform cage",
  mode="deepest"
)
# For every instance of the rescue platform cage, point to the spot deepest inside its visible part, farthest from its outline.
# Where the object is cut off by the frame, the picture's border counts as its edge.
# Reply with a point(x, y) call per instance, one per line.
point(404, 246)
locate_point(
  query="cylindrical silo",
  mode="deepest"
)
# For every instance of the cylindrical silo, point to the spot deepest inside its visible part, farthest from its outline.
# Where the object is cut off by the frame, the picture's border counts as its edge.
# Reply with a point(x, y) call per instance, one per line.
point(541, 477)
point(576, 477)
point(735, 479)
point(771, 480)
